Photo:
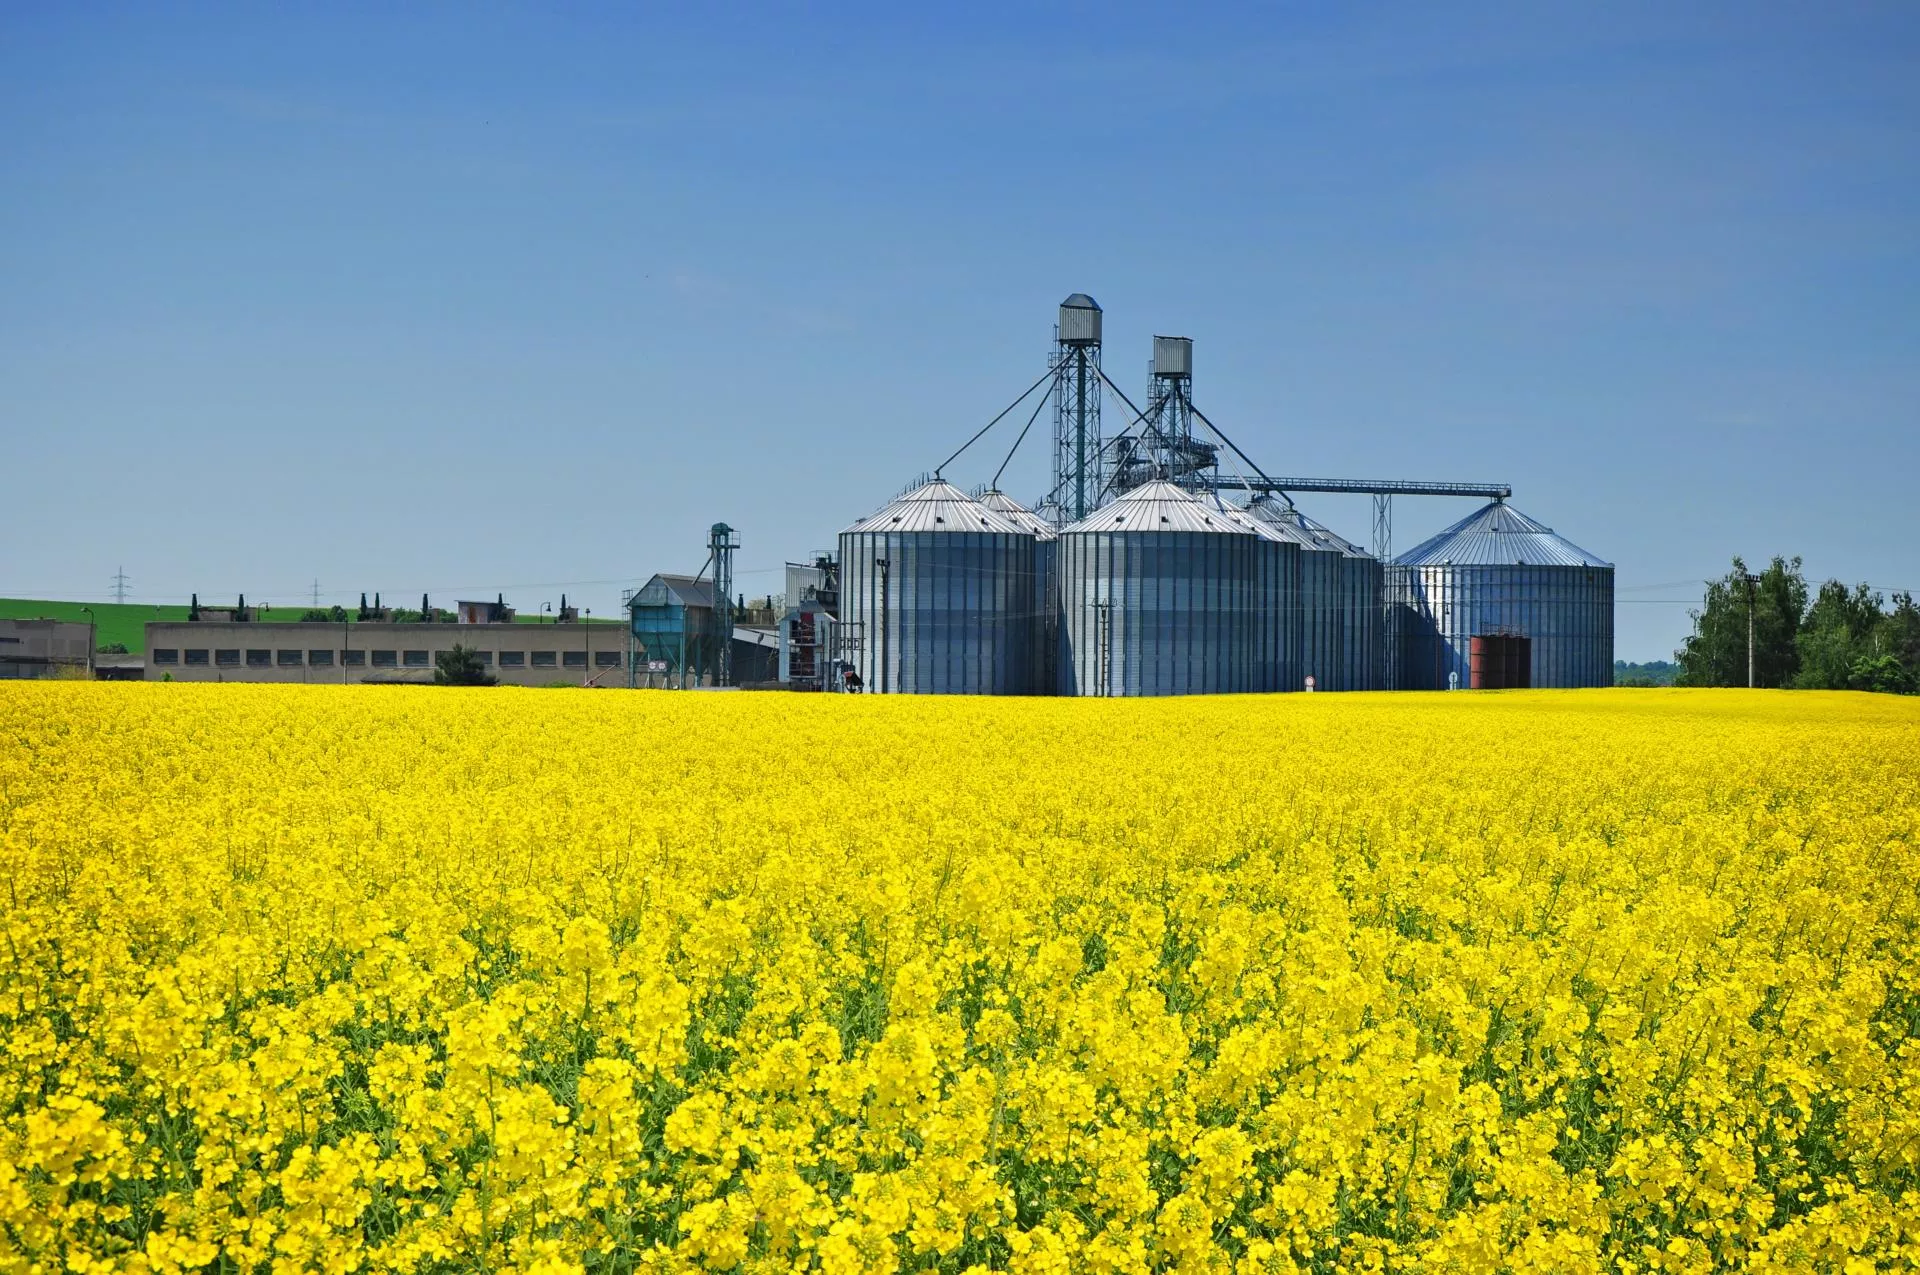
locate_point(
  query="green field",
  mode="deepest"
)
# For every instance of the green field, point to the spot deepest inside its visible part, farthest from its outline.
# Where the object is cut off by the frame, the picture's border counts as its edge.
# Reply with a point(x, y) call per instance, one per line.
point(113, 622)
point(126, 622)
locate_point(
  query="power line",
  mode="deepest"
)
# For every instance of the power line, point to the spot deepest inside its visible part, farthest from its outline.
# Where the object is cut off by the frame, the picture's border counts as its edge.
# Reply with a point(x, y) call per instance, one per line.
point(120, 583)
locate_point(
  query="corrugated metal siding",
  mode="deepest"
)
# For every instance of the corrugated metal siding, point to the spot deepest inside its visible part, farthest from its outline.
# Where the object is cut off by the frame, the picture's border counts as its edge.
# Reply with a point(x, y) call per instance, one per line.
point(1042, 667)
point(1181, 610)
point(1567, 611)
point(1275, 649)
point(1365, 645)
point(959, 610)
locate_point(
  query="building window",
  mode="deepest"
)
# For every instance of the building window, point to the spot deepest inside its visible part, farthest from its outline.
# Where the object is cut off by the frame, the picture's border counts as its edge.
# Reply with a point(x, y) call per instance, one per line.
point(574, 659)
point(386, 659)
point(513, 659)
point(257, 658)
point(166, 655)
point(485, 657)
point(227, 658)
point(353, 659)
point(320, 659)
point(606, 659)
point(196, 656)
point(286, 658)
point(415, 659)
point(543, 659)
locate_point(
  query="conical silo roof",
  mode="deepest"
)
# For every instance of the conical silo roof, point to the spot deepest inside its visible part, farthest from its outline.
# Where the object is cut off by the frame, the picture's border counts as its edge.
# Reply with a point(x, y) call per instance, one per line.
point(1333, 539)
point(1289, 522)
point(1159, 506)
point(1498, 535)
point(1017, 514)
point(1296, 527)
point(1258, 526)
point(935, 506)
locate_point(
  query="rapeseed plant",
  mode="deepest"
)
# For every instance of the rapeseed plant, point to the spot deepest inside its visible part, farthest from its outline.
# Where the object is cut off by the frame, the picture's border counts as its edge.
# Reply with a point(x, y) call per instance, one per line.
point(320, 979)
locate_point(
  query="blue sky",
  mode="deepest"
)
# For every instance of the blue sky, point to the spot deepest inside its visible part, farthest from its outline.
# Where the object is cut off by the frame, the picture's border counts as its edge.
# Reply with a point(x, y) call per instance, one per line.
point(472, 298)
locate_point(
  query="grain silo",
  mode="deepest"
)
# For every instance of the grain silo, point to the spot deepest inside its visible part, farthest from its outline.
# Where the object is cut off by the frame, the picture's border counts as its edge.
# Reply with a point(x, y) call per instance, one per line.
point(1499, 573)
point(936, 596)
point(1044, 631)
point(1158, 596)
point(1359, 602)
point(1276, 632)
point(1322, 585)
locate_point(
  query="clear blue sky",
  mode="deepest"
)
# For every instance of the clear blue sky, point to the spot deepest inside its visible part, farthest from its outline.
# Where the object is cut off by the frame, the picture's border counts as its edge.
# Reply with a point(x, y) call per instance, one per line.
point(471, 298)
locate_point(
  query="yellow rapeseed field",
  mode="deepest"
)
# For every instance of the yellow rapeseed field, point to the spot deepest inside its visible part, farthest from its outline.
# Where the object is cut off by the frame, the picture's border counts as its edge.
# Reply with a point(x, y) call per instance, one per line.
point(422, 979)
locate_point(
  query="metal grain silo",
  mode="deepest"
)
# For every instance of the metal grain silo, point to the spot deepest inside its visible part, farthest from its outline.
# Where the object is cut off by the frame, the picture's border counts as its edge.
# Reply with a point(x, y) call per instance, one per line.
point(1276, 633)
point(1359, 605)
point(1158, 596)
point(1044, 630)
point(1321, 592)
point(1498, 572)
point(936, 596)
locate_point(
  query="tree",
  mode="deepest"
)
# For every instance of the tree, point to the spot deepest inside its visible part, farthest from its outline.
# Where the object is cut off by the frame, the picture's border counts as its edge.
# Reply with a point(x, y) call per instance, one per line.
point(1882, 673)
point(1716, 652)
point(1898, 634)
point(315, 615)
point(1836, 634)
point(460, 666)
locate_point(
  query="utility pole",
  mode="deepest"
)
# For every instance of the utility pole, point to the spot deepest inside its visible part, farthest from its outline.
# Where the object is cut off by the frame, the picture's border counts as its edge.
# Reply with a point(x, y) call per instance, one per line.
point(316, 591)
point(120, 583)
point(885, 565)
point(1752, 580)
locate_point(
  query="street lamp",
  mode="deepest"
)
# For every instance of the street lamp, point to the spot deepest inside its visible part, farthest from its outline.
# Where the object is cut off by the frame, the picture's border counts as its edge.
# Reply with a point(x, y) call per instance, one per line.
point(546, 608)
point(587, 633)
point(89, 612)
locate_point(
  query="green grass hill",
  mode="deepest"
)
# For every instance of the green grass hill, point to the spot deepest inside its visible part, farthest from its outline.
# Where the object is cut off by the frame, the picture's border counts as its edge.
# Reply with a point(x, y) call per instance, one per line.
point(126, 623)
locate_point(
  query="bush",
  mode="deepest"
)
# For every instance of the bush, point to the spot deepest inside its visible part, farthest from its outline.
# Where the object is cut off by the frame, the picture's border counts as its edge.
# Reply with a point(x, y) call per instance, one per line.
point(461, 666)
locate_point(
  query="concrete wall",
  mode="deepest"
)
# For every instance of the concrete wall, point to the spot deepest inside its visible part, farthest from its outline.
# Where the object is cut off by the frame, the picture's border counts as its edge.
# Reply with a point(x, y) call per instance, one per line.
point(336, 653)
point(38, 648)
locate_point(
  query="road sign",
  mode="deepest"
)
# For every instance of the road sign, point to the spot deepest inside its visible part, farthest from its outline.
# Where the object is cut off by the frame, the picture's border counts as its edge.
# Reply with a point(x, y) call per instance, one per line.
point(656, 666)
point(1310, 682)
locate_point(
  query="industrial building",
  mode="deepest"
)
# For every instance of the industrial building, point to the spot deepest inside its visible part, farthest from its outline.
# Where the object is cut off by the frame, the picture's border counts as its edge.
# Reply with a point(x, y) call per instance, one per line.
point(33, 649)
point(246, 650)
point(1163, 560)
point(1498, 574)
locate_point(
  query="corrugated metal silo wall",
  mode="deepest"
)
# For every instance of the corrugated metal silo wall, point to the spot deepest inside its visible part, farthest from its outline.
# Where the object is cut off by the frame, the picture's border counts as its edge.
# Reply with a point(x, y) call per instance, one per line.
point(1282, 613)
point(959, 610)
point(1365, 647)
point(1273, 639)
point(1398, 629)
point(1042, 671)
point(1320, 591)
point(1566, 610)
point(1158, 613)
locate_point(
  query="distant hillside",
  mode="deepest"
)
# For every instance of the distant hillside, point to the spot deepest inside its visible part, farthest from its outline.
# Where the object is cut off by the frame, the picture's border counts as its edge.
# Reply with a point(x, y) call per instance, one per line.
point(126, 623)
point(113, 622)
point(1652, 673)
